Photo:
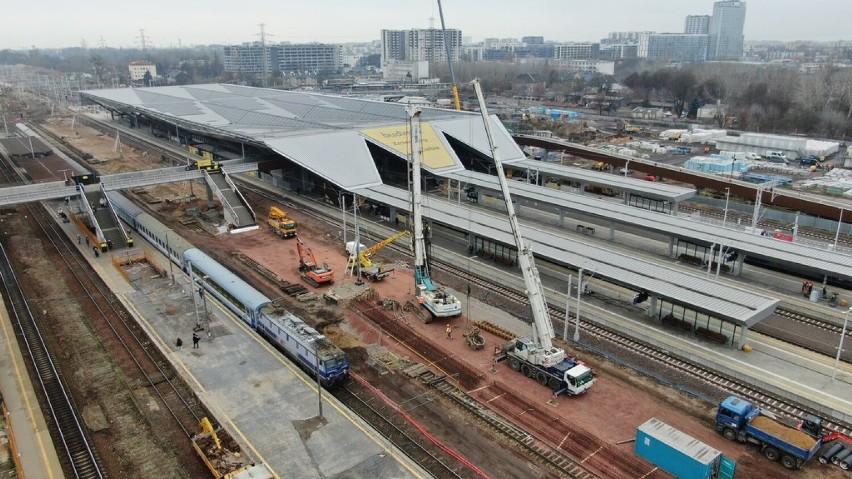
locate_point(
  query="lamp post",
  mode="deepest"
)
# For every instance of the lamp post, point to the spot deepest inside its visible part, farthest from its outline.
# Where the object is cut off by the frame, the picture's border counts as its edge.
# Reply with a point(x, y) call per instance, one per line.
point(579, 292)
point(840, 346)
point(727, 197)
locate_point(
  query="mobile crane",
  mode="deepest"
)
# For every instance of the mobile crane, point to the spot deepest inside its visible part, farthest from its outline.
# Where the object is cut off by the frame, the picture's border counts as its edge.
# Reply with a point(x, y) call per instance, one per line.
point(454, 88)
point(361, 261)
point(535, 357)
point(434, 298)
point(310, 271)
point(280, 224)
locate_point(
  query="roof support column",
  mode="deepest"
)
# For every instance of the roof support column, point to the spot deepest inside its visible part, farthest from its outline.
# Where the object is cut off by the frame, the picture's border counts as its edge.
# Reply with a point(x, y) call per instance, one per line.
point(738, 266)
point(582, 188)
point(626, 197)
point(561, 217)
point(674, 208)
point(652, 307)
point(742, 338)
point(670, 251)
point(612, 231)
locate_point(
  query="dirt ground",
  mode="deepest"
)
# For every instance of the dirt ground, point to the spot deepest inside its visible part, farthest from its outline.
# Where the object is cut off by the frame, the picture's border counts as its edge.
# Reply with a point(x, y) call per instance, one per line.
point(619, 402)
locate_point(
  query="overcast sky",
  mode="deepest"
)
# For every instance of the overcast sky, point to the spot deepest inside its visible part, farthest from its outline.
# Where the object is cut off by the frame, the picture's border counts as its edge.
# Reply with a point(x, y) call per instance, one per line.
point(63, 23)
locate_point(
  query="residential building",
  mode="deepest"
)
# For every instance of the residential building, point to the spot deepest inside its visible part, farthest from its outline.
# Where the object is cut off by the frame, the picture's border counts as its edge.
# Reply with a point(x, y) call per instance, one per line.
point(575, 51)
point(726, 31)
point(421, 45)
point(618, 51)
point(139, 68)
point(697, 24)
point(673, 47)
point(532, 40)
point(274, 59)
point(311, 57)
point(250, 58)
point(622, 37)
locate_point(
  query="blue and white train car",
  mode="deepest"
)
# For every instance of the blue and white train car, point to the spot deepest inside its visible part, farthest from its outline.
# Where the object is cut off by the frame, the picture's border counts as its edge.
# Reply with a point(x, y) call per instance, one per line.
point(165, 239)
point(240, 297)
point(303, 344)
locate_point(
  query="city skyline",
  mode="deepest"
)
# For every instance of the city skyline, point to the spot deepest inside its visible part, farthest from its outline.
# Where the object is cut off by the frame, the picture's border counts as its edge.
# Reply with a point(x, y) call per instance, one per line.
point(168, 24)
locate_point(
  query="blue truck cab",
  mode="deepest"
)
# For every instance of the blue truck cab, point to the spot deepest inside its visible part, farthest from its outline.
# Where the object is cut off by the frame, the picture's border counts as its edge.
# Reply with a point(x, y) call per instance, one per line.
point(740, 420)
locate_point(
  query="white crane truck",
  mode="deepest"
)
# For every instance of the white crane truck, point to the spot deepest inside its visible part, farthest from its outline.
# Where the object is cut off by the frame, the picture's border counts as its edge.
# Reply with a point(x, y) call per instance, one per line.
point(535, 357)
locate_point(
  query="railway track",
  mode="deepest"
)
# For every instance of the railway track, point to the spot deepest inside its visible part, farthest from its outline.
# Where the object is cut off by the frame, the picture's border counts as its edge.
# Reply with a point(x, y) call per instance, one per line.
point(122, 336)
point(67, 430)
point(388, 418)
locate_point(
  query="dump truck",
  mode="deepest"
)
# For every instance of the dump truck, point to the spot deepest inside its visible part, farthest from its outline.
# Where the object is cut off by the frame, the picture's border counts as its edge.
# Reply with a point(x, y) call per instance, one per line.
point(740, 420)
point(280, 224)
point(222, 455)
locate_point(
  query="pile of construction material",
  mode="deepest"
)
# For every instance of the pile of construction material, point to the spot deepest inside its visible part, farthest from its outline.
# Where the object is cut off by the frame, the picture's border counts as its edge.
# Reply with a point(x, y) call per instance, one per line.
point(836, 182)
point(702, 136)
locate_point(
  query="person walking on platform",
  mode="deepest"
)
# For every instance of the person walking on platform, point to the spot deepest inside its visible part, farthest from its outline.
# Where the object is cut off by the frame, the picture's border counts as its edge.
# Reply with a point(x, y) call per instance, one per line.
point(179, 344)
point(78, 238)
point(449, 331)
point(195, 339)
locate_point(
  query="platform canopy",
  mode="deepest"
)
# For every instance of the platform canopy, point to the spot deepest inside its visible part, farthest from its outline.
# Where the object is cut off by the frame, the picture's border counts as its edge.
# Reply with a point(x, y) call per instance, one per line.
point(327, 135)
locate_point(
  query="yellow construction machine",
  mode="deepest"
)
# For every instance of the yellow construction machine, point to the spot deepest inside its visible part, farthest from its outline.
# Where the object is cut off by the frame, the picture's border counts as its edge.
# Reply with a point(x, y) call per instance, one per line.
point(280, 224)
point(360, 260)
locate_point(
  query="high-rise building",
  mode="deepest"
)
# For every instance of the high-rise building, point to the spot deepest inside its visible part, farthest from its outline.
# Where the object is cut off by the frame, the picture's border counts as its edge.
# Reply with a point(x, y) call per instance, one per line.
point(673, 47)
point(697, 24)
point(420, 45)
point(726, 31)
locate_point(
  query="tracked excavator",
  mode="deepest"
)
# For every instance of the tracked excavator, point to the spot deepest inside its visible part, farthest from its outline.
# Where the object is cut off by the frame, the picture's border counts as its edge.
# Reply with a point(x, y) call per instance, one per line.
point(310, 271)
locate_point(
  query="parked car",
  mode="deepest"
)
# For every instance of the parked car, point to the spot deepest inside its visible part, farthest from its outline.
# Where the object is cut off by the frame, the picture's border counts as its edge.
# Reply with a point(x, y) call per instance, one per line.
point(776, 157)
point(809, 160)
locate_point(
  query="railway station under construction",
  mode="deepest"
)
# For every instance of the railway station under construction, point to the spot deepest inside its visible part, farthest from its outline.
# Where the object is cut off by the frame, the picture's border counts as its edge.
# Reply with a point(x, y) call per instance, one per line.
point(327, 147)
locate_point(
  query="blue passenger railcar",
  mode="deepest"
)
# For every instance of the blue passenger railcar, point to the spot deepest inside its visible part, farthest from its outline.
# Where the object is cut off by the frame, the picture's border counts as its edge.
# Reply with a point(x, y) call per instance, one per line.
point(165, 239)
point(240, 297)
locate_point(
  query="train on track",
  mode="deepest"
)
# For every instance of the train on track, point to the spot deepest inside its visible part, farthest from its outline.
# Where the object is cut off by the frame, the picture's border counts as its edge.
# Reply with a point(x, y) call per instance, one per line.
point(304, 345)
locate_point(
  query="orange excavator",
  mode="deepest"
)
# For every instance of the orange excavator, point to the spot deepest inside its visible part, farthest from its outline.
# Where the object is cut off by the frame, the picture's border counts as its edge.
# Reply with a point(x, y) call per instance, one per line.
point(310, 271)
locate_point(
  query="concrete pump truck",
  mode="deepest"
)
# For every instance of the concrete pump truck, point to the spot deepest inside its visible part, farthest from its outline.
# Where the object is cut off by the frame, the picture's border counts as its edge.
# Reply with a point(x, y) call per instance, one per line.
point(535, 357)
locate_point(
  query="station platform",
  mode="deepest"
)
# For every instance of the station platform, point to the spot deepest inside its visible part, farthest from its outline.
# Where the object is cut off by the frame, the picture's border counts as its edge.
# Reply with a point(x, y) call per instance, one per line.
point(32, 446)
point(771, 365)
point(268, 405)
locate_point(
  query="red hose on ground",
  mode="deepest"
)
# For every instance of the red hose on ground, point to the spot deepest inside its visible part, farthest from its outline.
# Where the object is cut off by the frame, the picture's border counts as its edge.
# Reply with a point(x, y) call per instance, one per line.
point(420, 428)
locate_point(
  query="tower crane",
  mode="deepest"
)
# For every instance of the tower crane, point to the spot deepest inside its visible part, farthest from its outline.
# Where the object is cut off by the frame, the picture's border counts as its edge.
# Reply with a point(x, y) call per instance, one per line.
point(436, 300)
point(536, 357)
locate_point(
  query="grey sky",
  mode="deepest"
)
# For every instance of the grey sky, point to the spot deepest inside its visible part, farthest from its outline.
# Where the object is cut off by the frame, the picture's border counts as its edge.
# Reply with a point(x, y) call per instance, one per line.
point(60, 23)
